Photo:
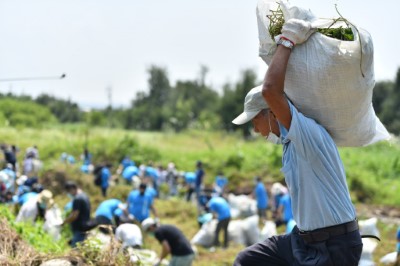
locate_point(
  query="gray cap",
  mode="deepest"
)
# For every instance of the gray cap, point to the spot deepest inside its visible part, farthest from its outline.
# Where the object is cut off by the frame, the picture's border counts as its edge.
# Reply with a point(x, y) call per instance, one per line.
point(253, 104)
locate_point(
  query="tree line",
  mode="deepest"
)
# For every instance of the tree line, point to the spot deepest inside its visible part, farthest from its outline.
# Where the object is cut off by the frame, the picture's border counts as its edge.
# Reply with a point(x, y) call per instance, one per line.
point(164, 106)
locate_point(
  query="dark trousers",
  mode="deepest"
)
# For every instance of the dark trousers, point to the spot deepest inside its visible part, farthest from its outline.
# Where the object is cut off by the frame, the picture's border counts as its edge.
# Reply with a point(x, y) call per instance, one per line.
point(77, 237)
point(102, 220)
point(104, 191)
point(262, 213)
point(189, 193)
point(223, 224)
point(290, 249)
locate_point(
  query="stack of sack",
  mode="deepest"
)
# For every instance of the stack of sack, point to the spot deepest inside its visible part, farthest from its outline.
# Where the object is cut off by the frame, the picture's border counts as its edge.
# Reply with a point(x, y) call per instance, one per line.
point(327, 79)
point(244, 232)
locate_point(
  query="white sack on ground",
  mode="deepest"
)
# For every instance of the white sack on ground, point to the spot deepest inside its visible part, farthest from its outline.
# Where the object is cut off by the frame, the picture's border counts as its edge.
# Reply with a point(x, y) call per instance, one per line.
point(242, 206)
point(268, 230)
point(236, 233)
point(205, 236)
point(324, 78)
point(251, 230)
point(389, 258)
point(243, 232)
point(53, 219)
point(144, 256)
point(368, 227)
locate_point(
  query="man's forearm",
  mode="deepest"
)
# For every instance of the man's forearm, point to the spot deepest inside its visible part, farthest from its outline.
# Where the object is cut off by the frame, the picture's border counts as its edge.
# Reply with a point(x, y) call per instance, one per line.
point(72, 217)
point(275, 76)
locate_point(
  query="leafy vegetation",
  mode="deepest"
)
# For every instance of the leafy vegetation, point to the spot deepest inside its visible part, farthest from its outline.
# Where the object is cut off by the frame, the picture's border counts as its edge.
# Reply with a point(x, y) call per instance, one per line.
point(188, 104)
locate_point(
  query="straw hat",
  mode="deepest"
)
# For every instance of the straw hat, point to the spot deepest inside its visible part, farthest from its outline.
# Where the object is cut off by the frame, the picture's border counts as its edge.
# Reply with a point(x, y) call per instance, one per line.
point(46, 197)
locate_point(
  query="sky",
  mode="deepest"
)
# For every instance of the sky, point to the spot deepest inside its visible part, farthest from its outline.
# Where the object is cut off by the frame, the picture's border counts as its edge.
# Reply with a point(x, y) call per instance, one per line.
point(106, 47)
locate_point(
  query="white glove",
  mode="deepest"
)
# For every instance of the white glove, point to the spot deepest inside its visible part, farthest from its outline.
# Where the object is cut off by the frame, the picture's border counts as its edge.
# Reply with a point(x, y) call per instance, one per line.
point(297, 31)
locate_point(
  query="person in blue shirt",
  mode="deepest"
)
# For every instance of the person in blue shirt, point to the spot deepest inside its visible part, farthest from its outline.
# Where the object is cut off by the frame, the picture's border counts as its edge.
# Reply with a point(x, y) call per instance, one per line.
point(106, 211)
point(153, 175)
point(261, 196)
point(105, 179)
point(25, 197)
point(327, 231)
point(127, 162)
point(220, 207)
point(284, 214)
point(220, 183)
point(199, 178)
point(86, 157)
point(140, 204)
point(190, 180)
point(129, 172)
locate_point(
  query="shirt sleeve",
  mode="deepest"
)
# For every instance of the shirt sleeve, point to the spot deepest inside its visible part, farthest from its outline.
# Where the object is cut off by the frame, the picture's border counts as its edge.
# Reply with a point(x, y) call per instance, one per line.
point(304, 133)
point(77, 204)
point(159, 236)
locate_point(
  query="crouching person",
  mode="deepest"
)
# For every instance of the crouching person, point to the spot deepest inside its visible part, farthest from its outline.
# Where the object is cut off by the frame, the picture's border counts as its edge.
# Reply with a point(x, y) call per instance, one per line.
point(106, 213)
point(129, 235)
point(35, 208)
point(173, 242)
point(79, 218)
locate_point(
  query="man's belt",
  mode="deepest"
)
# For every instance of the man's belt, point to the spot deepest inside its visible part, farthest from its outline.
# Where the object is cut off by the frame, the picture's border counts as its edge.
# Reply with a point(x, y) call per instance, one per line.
point(323, 234)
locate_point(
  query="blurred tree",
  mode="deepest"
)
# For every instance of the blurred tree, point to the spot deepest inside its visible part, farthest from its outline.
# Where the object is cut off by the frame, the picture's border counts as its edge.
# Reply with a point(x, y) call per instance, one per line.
point(65, 111)
point(382, 91)
point(25, 113)
point(390, 113)
point(146, 111)
point(232, 101)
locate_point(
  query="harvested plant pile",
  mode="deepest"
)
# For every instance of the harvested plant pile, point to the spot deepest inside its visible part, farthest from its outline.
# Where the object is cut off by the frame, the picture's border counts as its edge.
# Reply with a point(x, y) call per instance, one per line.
point(341, 33)
point(13, 250)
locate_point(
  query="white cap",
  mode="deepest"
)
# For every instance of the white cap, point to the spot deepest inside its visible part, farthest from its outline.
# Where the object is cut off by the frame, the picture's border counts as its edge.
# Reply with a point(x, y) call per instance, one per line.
point(253, 104)
point(147, 223)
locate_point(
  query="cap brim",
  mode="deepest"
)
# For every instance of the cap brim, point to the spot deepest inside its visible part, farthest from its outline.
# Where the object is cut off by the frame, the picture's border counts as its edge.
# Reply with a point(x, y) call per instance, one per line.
point(244, 118)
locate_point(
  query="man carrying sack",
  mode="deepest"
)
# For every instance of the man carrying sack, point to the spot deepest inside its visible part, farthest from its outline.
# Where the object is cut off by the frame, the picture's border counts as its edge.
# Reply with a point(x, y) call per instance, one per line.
point(327, 230)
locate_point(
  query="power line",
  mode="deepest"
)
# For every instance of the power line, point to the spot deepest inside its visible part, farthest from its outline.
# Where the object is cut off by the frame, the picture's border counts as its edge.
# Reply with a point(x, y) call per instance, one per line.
point(33, 78)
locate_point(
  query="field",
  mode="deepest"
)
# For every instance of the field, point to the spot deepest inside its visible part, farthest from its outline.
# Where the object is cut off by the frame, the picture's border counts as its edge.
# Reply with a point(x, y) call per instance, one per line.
point(372, 173)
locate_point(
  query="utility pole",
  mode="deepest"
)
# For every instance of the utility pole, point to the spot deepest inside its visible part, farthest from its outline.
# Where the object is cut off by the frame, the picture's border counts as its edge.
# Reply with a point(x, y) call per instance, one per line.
point(109, 108)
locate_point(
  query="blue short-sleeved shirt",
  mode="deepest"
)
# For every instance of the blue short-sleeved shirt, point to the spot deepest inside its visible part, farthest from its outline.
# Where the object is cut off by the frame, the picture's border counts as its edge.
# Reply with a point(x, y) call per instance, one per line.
point(107, 208)
point(220, 206)
point(129, 172)
point(127, 162)
point(190, 178)
point(286, 203)
point(152, 192)
point(221, 181)
point(314, 174)
point(261, 196)
point(105, 176)
point(139, 205)
point(26, 197)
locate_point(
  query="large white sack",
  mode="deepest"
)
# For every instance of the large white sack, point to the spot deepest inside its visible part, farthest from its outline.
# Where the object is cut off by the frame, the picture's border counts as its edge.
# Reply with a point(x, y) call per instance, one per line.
point(324, 78)
point(251, 230)
point(205, 236)
point(389, 258)
point(53, 219)
point(368, 227)
point(269, 230)
point(242, 206)
point(236, 233)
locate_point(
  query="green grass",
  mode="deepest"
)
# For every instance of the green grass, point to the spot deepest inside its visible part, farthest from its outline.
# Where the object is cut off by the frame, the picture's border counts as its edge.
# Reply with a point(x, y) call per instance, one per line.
point(371, 171)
